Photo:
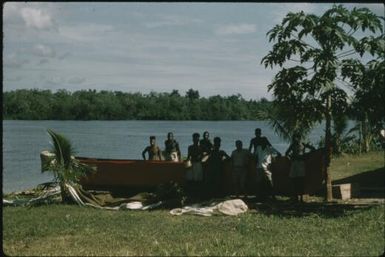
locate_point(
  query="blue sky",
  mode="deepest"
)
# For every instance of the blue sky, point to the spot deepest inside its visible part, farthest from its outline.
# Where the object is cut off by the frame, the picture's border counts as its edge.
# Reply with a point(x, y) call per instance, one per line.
point(215, 48)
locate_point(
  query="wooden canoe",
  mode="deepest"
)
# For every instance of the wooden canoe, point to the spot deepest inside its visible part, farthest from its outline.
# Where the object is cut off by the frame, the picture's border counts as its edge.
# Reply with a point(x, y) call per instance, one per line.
point(128, 174)
point(135, 174)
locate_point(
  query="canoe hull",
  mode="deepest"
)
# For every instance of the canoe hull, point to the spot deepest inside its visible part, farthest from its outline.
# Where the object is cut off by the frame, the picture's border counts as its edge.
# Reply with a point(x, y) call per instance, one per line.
point(131, 173)
point(140, 174)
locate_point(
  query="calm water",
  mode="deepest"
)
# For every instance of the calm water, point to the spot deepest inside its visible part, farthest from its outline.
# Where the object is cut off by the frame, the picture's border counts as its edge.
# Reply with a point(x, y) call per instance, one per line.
point(24, 140)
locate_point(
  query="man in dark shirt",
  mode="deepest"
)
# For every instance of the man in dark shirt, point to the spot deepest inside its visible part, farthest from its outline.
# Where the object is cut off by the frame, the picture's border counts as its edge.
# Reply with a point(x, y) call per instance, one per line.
point(215, 168)
point(194, 155)
point(206, 144)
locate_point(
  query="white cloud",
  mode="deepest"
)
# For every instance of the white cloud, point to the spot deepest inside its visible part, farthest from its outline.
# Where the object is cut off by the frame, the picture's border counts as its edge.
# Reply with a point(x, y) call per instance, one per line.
point(13, 61)
point(14, 79)
point(43, 61)
point(236, 29)
point(12, 12)
point(281, 9)
point(172, 21)
point(44, 51)
point(64, 55)
point(53, 80)
point(36, 18)
point(85, 32)
point(76, 80)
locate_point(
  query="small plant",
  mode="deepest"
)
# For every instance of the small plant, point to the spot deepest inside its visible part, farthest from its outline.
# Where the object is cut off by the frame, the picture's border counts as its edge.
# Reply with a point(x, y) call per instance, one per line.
point(63, 164)
point(171, 191)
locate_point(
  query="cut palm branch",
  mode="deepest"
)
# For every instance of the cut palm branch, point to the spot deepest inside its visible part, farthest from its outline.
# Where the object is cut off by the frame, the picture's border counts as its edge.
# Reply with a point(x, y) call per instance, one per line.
point(62, 163)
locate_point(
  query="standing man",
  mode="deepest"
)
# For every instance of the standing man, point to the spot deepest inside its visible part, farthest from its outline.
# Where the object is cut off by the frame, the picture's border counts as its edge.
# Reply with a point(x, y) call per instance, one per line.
point(206, 145)
point(240, 160)
point(215, 168)
point(255, 149)
point(297, 173)
point(194, 155)
point(257, 141)
point(264, 176)
point(172, 150)
point(153, 150)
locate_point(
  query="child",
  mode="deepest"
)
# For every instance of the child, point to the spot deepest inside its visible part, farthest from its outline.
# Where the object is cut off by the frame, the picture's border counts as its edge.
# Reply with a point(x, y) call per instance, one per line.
point(153, 150)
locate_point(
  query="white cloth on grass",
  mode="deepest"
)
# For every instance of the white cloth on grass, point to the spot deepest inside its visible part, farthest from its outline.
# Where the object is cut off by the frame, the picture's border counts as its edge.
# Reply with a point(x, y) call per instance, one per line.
point(230, 207)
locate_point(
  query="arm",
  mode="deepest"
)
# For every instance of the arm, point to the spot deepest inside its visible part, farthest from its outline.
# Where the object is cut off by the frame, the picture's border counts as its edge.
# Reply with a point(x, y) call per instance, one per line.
point(309, 146)
point(274, 151)
point(159, 154)
point(225, 155)
point(189, 153)
point(288, 150)
point(251, 145)
point(178, 152)
point(267, 142)
point(144, 152)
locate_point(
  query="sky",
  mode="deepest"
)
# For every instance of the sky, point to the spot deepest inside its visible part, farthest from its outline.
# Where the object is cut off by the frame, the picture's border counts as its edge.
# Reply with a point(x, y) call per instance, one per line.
point(215, 48)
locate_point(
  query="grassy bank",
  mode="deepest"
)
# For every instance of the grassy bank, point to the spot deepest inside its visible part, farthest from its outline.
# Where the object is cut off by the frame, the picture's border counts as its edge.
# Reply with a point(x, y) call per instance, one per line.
point(72, 230)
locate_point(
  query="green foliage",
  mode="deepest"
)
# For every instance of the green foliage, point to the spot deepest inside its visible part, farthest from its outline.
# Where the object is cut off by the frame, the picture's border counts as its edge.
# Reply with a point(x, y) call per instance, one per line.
point(171, 192)
point(321, 44)
point(287, 122)
point(65, 167)
point(107, 105)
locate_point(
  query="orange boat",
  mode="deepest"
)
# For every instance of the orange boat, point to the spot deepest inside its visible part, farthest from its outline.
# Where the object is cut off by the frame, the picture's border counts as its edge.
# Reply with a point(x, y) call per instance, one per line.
point(140, 174)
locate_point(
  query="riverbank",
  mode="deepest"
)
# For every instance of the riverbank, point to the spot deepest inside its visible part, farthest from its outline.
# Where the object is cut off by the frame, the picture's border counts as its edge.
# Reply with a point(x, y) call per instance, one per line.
point(313, 229)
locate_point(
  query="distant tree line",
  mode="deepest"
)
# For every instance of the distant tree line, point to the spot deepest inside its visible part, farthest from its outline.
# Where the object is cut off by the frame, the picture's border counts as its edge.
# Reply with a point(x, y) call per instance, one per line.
point(35, 104)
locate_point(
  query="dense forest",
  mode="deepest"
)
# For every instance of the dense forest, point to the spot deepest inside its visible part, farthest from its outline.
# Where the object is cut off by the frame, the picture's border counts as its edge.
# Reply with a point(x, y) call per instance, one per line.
point(35, 104)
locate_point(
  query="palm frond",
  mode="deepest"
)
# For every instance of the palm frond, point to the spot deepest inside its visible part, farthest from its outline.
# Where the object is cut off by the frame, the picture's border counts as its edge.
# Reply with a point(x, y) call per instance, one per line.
point(62, 148)
point(285, 123)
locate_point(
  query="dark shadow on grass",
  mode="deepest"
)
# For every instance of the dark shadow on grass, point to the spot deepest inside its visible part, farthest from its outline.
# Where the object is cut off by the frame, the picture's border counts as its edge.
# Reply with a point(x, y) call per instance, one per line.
point(289, 209)
point(371, 183)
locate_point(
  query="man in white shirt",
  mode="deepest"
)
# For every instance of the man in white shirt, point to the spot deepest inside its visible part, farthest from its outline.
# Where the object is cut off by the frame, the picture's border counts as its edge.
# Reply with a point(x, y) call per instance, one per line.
point(264, 153)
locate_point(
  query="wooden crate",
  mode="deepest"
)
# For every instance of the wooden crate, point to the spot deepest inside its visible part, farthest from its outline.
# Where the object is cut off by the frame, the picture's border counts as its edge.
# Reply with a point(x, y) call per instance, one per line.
point(345, 191)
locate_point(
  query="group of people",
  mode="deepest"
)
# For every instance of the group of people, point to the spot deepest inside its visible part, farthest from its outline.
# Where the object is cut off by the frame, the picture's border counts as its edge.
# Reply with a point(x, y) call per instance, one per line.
point(171, 152)
point(205, 155)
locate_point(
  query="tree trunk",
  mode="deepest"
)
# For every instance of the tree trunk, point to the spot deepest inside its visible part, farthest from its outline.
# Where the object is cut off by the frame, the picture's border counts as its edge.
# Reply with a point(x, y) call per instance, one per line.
point(328, 150)
point(65, 198)
point(365, 134)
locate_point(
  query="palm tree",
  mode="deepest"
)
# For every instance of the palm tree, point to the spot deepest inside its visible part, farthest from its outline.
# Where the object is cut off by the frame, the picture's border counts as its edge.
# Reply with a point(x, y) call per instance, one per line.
point(286, 122)
point(62, 163)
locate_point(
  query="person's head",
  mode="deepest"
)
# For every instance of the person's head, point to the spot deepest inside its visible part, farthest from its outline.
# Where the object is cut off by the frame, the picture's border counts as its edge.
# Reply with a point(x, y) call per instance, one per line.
point(206, 135)
point(238, 144)
point(195, 138)
point(170, 136)
point(258, 132)
point(217, 142)
point(152, 140)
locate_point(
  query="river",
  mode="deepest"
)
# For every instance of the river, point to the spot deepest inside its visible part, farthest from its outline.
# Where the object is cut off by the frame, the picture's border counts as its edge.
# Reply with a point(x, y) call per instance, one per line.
point(24, 140)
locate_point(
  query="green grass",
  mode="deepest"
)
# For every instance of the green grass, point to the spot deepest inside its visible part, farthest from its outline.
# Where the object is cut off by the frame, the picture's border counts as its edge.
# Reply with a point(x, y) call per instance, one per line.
point(349, 165)
point(71, 230)
point(61, 230)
